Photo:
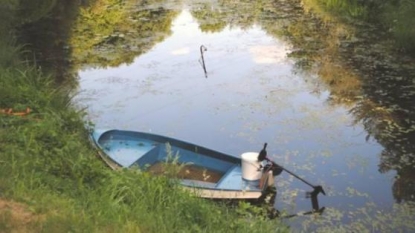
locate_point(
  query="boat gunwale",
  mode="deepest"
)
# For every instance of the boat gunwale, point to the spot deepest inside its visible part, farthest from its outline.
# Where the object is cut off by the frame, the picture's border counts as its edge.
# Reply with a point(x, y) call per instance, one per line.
point(219, 193)
point(178, 143)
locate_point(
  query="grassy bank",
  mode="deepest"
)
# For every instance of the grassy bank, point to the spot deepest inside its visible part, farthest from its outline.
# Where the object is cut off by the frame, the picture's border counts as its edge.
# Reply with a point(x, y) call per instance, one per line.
point(48, 167)
point(399, 17)
point(396, 17)
point(52, 181)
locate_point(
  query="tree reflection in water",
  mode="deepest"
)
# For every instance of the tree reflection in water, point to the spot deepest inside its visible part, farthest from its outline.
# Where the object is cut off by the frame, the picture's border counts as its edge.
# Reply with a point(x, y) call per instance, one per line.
point(352, 63)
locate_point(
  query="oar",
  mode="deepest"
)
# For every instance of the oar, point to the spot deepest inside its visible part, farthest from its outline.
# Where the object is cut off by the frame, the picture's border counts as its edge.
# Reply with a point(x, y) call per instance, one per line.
point(263, 156)
point(317, 188)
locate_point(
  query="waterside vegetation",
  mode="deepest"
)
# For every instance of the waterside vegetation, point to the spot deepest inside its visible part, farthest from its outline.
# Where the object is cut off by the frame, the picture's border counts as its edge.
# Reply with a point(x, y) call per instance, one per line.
point(396, 17)
point(51, 179)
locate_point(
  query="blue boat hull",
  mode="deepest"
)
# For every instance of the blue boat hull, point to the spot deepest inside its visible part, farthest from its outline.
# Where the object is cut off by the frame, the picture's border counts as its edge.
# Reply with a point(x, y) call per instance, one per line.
point(207, 173)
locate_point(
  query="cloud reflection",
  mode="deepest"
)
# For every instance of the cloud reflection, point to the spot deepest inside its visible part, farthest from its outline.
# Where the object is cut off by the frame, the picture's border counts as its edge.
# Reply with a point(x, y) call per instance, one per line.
point(268, 54)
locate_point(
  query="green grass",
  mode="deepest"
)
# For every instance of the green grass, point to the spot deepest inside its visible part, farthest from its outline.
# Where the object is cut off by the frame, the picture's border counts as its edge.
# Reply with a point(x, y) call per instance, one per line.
point(47, 163)
point(52, 181)
point(400, 19)
point(397, 17)
point(343, 9)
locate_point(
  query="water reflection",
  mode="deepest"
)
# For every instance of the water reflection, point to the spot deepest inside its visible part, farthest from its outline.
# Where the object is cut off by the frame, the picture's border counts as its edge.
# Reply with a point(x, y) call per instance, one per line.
point(251, 93)
point(47, 35)
point(377, 85)
point(112, 34)
point(332, 103)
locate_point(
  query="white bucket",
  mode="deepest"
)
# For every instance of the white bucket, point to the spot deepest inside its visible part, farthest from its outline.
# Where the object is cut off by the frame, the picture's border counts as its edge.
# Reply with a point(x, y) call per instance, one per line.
point(250, 166)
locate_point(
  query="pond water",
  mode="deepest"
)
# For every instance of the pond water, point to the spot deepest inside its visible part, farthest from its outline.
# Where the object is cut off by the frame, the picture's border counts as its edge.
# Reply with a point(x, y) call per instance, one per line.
point(333, 105)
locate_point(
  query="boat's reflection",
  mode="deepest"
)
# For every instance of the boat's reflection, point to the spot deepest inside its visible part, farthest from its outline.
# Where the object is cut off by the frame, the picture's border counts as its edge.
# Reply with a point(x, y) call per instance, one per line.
point(267, 203)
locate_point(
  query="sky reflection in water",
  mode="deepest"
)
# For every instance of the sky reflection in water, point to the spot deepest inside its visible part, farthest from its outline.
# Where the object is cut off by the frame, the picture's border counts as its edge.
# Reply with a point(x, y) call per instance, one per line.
point(252, 95)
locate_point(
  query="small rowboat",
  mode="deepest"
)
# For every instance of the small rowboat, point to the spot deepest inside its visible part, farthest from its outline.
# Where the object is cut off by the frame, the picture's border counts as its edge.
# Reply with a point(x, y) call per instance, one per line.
point(207, 173)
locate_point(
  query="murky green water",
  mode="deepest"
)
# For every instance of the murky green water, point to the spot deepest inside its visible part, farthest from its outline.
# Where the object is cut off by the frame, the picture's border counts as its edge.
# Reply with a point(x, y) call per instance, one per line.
point(334, 103)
